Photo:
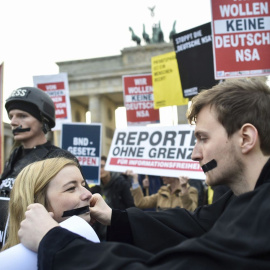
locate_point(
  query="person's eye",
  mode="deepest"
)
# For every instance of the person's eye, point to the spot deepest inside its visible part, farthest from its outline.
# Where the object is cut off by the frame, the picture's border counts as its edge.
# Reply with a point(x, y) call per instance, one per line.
point(71, 189)
point(202, 139)
point(22, 116)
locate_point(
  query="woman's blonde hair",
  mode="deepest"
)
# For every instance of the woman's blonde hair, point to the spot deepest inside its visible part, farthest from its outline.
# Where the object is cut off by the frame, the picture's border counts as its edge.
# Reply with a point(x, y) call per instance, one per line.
point(29, 187)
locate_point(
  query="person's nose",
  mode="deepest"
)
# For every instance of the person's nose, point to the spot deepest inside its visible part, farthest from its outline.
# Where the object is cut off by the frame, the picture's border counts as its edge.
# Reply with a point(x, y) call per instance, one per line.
point(196, 153)
point(86, 194)
point(14, 122)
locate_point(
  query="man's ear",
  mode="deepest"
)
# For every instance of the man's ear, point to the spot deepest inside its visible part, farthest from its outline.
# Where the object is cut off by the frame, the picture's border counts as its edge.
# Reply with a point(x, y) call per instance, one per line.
point(249, 138)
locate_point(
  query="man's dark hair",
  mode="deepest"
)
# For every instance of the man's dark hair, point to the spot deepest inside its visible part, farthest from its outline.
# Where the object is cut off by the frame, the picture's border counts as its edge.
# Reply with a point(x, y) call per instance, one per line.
point(237, 102)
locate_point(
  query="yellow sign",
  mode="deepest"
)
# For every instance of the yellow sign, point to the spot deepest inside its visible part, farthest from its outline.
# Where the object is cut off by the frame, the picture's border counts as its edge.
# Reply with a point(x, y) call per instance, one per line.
point(167, 87)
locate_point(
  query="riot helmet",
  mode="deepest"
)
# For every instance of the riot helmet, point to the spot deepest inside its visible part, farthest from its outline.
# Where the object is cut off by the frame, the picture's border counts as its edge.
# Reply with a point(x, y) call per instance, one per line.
point(34, 101)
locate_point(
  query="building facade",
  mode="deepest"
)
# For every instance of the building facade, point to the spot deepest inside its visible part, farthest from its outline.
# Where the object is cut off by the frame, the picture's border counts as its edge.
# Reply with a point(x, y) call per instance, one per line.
point(95, 84)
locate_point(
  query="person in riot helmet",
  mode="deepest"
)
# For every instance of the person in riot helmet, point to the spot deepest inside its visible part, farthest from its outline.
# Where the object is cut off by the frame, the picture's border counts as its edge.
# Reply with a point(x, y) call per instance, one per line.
point(32, 114)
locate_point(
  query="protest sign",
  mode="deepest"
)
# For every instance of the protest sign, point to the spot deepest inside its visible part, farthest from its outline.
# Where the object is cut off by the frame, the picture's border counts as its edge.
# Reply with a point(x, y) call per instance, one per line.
point(84, 142)
point(241, 35)
point(166, 81)
point(195, 60)
point(159, 150)
point(139, 100)
point(56, 86)
point(4, 201)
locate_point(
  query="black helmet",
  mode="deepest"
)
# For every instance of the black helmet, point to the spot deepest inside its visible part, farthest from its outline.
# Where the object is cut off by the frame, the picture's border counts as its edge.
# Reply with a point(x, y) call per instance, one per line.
point(34, 96)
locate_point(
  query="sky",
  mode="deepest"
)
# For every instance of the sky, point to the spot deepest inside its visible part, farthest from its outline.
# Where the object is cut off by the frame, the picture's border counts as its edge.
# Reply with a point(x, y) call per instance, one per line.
point(36, 34)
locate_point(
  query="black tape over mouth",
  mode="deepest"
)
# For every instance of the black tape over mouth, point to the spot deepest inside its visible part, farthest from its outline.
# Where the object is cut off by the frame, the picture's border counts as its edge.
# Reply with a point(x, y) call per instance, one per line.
point(76, 212)
point(20, 129)
point(209, 165)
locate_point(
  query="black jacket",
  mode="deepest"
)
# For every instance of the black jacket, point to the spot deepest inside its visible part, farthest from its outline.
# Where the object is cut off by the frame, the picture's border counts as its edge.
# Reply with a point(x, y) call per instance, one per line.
point(117, 195)
point(117, 192)
point(232, 233)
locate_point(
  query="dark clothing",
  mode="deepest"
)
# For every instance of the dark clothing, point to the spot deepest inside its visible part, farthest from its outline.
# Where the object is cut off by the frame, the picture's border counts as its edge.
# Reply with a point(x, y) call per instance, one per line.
point(219, 191)
point(155, 183)
point(229, 234)
point(21, 157)
point(116, 194)
point(201, 187)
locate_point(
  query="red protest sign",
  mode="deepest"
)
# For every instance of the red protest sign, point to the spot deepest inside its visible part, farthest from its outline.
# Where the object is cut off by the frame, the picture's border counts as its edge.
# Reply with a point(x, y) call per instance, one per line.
point(139, 100)
point(241, 38)
point(57, 95)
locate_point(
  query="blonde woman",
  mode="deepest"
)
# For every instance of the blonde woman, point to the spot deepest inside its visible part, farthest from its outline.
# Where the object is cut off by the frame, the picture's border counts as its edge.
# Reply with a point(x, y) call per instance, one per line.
point(56, 183)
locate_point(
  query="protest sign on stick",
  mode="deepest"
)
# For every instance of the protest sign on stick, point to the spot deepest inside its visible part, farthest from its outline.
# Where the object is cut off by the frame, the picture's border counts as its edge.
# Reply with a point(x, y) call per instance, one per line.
point(159, 150)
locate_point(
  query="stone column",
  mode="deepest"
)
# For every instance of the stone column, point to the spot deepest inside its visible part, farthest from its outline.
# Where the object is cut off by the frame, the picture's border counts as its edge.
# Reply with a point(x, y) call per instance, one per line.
point(181, 111)
point(94, 108)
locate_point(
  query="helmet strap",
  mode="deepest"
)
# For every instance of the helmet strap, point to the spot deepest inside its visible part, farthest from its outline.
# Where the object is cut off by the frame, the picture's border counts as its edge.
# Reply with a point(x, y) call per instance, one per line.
point(45, 125)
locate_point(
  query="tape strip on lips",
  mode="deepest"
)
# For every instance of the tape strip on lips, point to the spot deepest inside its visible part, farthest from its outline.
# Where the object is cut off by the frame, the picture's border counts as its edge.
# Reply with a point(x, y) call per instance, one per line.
point(209, 165)
point(76, 212)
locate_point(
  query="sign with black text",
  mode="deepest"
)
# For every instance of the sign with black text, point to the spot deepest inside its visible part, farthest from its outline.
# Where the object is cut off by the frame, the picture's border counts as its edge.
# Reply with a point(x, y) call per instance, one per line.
point(84, 142)
point(194, 55)
point(159, 150)
point(241, 35)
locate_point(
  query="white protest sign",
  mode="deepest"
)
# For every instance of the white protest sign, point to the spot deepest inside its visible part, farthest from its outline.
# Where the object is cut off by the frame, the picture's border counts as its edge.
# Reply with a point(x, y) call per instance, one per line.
point(19, 257)
point(159, 150)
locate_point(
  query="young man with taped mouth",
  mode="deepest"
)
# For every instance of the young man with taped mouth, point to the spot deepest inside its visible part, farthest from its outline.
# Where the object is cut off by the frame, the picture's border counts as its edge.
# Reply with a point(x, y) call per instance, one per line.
point(232, 128)
point(56, 183)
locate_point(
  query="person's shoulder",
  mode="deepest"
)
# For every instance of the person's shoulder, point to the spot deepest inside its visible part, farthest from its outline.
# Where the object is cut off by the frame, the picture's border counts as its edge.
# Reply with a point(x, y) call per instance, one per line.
point(55, 151)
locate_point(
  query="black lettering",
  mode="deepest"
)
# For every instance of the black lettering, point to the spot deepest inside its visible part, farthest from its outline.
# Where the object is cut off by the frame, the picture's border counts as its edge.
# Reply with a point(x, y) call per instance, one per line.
point(152, 153)
point(181, 153)
point(261, 23)
point(120, 137)
point(171, 153)
point(193, 139)
point(131, 136)
point(132, 151)
point(116, 151)
point(183, 133)
point(124, 151)
point(169, 136)
point(143, 136)
point(161, 152)
point(230, 25)
point(190, 153)
point(159, 137)
point(140, 152)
